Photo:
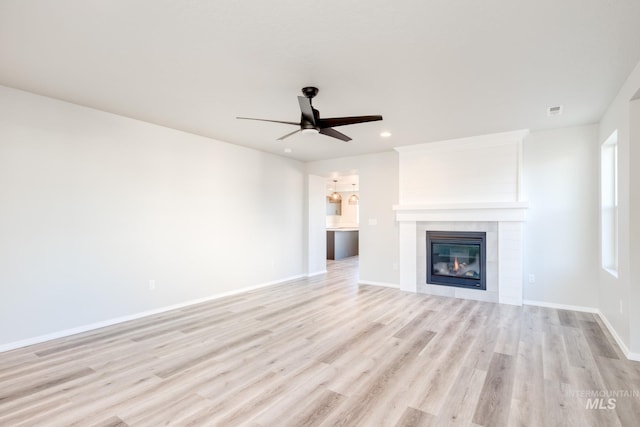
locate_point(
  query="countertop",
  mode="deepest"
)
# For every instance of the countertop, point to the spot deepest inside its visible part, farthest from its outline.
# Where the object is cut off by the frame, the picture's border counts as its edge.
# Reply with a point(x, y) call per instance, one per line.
point(343, 229)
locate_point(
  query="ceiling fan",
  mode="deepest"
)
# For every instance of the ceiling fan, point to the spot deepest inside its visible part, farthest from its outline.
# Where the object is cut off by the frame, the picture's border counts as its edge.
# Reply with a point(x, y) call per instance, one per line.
point(310, 121)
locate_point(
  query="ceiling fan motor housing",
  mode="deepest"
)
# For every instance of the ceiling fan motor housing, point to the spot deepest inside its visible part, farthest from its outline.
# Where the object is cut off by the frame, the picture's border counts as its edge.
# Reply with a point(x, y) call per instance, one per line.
point(309, 91)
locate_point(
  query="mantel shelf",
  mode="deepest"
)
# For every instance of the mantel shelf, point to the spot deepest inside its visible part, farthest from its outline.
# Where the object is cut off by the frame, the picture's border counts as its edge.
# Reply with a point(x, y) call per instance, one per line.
point(488, 211)
point(461, 206)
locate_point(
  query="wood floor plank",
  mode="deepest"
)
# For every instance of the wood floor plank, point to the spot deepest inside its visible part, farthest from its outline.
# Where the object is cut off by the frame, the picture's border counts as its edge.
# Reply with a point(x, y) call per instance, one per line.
point(168, 411)
point(555, 355)
point(8, 395)
point(436, 384)
point(529, 376)
point(420, 321)
point(308, 405)
point(316, 410)
point(598, 342)
point(561, 407)
point(270, 394)
point(578, 351)
point(508, 340)
point(495, 398)
point(354, 372)
point(356, 408)
point(415, 418)
point(111, 422)
point(341, 347)
point(585, 380)
point(568, 318)
point(621, 381)
point(460, 403)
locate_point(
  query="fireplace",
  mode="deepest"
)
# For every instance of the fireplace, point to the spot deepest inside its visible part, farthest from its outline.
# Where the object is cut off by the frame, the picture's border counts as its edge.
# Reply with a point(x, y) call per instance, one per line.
point(456, 258)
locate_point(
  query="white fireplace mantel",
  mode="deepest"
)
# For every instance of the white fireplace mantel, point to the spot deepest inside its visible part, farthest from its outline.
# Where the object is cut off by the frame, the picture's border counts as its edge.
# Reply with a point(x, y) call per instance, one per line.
point(471, 184)
point(495, 211)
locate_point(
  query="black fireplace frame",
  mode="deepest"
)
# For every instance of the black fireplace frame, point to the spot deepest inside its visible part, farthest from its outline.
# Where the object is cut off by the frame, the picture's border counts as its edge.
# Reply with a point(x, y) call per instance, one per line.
point(458, 237)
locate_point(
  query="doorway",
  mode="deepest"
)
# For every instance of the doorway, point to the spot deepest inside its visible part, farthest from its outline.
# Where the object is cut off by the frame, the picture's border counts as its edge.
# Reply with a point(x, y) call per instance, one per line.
point(342, 217)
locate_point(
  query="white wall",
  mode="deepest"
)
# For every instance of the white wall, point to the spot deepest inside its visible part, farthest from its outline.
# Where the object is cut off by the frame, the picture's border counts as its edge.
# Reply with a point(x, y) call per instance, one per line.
point(317, 239)
point(378, 185)
point(479, 169)
point(94, 206)
point(634, 226)
point(561, 232)
point(613, 290)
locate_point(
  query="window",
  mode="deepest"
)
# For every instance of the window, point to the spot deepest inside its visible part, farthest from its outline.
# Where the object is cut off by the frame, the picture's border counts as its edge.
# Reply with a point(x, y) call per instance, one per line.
point(609, 203)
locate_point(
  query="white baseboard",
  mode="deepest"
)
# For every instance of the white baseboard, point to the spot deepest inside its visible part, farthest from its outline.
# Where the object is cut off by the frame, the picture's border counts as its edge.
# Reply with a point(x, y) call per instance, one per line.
point(633, 356)
point(561, 306)
point(317, 273)
point(510, 300)
point(384, 284)
point(628, 354)
point(97, 325)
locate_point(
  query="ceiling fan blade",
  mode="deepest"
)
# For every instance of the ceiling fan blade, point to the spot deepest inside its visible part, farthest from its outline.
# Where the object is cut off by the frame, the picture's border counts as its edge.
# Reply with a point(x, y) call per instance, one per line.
point(288, 135)
point(334, 134)
point(267, 120)
point(307, 110)
point(342, 121)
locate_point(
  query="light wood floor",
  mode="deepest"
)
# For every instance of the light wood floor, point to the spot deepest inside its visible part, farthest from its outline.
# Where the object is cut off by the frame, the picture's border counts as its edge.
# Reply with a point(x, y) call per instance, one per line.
point(324, 351)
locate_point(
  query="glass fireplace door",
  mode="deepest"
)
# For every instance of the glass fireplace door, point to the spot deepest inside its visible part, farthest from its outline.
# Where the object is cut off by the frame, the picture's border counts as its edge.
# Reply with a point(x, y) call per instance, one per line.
point(456, 259)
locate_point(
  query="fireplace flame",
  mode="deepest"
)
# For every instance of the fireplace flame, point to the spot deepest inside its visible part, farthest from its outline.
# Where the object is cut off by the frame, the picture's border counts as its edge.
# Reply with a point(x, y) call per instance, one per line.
point(456, 266)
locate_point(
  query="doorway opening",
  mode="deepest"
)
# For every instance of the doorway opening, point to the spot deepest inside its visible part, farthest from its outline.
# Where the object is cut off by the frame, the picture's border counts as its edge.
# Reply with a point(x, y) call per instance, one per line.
point(342, 218)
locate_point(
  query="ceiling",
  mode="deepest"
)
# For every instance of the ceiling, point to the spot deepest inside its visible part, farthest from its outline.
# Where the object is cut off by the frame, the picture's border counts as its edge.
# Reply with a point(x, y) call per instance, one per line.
point(435, 69)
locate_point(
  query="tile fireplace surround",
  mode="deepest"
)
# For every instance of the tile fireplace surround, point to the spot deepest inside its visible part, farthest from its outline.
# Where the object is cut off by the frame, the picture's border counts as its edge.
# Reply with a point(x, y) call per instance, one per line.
point(503, 223)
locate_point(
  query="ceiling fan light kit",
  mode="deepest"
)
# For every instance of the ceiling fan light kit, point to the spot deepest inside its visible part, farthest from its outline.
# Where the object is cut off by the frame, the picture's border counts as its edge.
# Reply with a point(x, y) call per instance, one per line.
point(311, 122)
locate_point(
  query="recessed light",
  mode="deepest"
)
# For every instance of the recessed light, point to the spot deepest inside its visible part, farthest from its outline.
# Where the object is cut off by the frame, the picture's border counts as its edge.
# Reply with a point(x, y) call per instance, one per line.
point(288, 150)
point(385, 134)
